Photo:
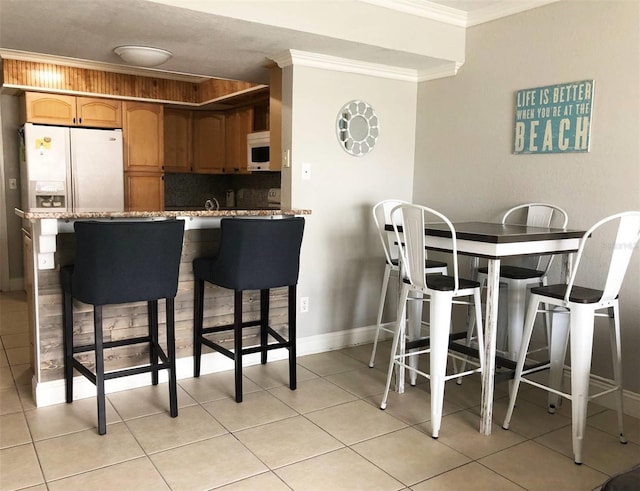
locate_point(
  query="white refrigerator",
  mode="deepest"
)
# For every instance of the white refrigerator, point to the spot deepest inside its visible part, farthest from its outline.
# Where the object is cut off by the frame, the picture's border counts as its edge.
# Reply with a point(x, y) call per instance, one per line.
point(71, 169)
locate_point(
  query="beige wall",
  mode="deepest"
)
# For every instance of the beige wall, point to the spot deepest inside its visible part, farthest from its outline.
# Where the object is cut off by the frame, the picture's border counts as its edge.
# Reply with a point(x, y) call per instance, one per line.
point(342, 263)
point(464, 164)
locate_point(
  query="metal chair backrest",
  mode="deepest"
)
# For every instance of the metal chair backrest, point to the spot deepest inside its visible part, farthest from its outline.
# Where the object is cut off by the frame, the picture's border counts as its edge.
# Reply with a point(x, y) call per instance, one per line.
point(538, 215)
point(621, 250)
point(414, 242)
point(382, 217)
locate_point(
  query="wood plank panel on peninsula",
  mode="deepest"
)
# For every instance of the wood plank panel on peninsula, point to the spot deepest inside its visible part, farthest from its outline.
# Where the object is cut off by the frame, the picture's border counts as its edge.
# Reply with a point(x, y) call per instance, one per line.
point(54, 246)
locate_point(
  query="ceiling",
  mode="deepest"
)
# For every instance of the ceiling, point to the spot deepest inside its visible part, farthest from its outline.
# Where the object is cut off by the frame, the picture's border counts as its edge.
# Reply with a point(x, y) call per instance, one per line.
point(207, 44)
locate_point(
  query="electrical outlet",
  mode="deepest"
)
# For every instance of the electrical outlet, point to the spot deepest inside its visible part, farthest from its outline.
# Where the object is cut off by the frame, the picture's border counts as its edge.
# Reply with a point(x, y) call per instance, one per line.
point(304, 304)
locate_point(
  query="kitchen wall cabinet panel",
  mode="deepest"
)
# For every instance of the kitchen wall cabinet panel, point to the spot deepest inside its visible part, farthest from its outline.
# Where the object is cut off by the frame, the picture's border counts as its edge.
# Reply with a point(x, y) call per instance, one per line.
point(69, 110)
point(239, 123)
point(178, 140)
point(144, 191)
point(209, 136)
point(99, 113)
point(275, 119)
point(143, 134)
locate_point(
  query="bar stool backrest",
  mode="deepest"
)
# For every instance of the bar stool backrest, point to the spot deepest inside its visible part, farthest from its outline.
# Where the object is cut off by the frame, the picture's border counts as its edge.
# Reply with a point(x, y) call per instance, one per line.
point(121, 262)
point(413, 220)
point(538, 215)
point(382, 217)
point(257, 254)
point(627, 237)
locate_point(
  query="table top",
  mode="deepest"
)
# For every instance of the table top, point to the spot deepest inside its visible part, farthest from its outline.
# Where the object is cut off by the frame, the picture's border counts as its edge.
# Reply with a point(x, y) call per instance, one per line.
point(498, 233)
point(495, 240)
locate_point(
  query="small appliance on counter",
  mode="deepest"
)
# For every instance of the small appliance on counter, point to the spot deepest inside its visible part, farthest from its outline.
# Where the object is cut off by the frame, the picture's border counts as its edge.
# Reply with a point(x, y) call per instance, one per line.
point(231, 198)
point(273, 198)
point(258, 151)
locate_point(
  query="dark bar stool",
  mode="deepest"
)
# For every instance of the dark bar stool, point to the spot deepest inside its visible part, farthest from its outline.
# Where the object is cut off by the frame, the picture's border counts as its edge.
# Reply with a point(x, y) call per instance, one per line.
point(115, 263)
point(255, 254)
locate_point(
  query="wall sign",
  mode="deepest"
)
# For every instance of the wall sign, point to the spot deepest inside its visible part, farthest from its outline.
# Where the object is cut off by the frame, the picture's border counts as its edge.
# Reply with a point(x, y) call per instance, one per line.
point(554, 118)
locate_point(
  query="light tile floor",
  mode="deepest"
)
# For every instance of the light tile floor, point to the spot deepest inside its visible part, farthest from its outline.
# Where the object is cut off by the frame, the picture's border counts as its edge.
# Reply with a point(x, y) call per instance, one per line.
point(327, 435)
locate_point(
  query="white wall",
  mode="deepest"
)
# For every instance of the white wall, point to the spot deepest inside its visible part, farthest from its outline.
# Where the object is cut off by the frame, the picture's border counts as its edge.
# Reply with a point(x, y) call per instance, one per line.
point(342, 261)
point(464, 164)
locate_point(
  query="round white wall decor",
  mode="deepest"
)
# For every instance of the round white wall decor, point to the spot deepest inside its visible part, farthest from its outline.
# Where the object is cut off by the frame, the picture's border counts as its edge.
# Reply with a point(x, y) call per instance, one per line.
point(357, 128)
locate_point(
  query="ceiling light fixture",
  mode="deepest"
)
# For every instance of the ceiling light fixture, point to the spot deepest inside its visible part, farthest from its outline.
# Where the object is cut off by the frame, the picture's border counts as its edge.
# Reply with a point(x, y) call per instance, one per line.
point(143, 55)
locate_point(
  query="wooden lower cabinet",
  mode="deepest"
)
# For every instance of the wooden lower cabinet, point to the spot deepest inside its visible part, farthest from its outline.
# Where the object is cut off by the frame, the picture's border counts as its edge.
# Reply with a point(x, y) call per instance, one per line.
point(144, 191)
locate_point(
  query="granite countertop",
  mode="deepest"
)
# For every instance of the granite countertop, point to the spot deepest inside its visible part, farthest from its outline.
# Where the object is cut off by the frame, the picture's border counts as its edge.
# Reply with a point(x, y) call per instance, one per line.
point(66, 215)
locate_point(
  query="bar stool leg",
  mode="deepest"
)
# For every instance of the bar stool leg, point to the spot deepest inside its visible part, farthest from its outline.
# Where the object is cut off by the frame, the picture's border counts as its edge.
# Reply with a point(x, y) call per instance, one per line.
point(99, 353)
point(237, 341)
point(152, 316)
point(264, 324)
point(198, 297)
point(293, 378)
point(68, 345)
point(616, 353)
point(171, 348)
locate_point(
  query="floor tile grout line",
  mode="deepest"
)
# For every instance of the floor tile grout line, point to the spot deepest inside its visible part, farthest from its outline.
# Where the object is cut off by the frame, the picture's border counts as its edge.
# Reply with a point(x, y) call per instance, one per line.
point(305, 415)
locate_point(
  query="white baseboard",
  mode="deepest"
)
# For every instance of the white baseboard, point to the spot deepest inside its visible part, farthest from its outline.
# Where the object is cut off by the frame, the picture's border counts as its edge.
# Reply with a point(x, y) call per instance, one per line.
point(48, 393)
point(53, 392)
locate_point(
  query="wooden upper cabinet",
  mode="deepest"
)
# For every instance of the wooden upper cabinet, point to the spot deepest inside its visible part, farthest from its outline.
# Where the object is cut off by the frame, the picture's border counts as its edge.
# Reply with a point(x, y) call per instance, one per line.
point(69, 110)
point(239, 123)
point(99, 113)
point(177, 140)
point(143, 134)
point(208, 142)
point(275, 119)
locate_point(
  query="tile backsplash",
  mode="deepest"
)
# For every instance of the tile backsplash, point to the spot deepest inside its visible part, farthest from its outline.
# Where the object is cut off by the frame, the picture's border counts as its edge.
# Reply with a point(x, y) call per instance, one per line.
point(192, 190)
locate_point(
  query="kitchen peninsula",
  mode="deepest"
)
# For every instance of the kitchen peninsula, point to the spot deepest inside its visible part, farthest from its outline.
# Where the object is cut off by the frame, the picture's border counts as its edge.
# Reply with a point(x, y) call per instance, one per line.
point(49, 243)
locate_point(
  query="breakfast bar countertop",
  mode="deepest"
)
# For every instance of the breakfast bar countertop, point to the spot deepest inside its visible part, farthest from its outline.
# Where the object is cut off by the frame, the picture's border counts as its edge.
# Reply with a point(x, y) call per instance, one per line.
point(66, 215)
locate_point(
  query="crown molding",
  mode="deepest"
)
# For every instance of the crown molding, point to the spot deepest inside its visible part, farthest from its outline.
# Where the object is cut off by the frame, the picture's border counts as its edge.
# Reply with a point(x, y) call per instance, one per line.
point(446, 70)
point(503, 9)
point(458, 17)
point(315, 60)
point(11, 54)
point(425, 8)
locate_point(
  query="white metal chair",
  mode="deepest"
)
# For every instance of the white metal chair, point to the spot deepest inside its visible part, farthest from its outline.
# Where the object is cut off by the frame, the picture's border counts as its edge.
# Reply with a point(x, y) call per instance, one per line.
point(441, 290)
point(382, 217)
point(531, 270)
point(582, 304)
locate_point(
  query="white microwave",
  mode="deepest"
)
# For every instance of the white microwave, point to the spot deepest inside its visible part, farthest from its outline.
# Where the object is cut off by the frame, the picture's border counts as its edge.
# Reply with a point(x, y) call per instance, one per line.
point(258, 151)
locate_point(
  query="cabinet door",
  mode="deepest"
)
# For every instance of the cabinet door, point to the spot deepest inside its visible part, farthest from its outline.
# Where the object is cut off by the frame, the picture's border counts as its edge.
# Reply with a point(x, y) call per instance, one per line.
point(238, 125)
point(98, 113)
point(50, 108)
point(177, 140)
point(144, 191)
point(143, 135)
point(275, 119)
point(208, 142)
